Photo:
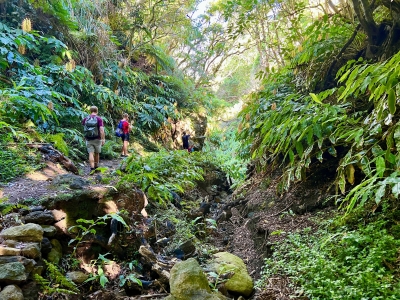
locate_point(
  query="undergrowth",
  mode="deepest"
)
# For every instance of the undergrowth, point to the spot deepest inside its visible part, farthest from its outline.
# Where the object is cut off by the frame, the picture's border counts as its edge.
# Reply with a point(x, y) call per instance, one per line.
point(160, 173)
point(16, 161)
point(345, 259)
point(222, 149)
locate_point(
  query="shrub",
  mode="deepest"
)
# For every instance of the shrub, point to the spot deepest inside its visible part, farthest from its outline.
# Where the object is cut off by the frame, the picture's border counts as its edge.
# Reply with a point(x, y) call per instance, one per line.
point(343, 263)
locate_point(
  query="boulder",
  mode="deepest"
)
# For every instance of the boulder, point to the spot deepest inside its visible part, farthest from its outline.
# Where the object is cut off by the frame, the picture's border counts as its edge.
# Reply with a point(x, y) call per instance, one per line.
point(14, 248)
point(31, 250)
point(28, 264)
point(55, 253)
point(11, 292)
point(38, 270)
point(49, 230)
point(69, 207)
point(131, 199)
point(25, 211)
point(189, 282)
point(12, 244)
point(240, 282)
point(54, 256)
point(73, 181)
point(25, 233)
point(40, 217)
point(77, 277)
point(13, 272)
point(56, 244)
point(30, 290)
point(185, 250)
point(8, 251)
point(46, 246)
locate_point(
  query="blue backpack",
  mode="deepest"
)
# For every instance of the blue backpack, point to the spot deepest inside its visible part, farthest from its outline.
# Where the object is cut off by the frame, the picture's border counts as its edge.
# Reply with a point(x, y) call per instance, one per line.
point(118, 131)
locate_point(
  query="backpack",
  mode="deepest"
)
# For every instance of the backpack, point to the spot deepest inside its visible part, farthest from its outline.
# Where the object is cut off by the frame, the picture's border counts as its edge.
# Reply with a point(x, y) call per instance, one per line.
point(91, 128)
point(118, 131)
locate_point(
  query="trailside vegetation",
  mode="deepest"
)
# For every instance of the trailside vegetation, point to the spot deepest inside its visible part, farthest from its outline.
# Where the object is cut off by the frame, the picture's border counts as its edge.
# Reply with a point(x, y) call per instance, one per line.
point(54, 65)
point(325, 88)
point(330, 102)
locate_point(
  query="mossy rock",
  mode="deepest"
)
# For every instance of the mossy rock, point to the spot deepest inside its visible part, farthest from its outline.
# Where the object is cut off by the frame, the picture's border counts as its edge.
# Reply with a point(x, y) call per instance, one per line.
point(240, 282)
point(188, 281)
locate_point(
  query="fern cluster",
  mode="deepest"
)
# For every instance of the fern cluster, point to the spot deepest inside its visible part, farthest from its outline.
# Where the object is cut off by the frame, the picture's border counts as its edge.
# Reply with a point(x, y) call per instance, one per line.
point(55, 282)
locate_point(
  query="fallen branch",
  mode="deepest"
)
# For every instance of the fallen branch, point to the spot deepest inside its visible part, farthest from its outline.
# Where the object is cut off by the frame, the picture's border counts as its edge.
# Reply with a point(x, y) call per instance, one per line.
point(153, 296)
point(55, 156)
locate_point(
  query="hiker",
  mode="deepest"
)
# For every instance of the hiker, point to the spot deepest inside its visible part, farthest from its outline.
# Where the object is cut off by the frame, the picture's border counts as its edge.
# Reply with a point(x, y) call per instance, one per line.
point(185, 140)
point(126, 128)
point(94, 134)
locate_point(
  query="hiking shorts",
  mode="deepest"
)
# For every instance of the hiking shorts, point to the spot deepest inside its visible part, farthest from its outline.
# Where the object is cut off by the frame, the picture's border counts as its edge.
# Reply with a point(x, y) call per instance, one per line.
point(93, 146)
point(125, 137)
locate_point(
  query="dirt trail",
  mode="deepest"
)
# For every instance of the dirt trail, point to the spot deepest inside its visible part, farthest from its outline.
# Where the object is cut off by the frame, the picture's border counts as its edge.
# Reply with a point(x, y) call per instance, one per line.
point(36, 185)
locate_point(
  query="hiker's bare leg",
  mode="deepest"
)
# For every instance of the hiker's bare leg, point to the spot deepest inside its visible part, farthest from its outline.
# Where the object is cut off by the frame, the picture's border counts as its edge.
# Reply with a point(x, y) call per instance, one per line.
point(125, 148)
point(91, 159)
point(96, 159)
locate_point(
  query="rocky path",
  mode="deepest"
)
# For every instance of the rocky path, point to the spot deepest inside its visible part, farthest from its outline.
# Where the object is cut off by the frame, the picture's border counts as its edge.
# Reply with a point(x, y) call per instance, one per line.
point(57, 198)
point(38, 184)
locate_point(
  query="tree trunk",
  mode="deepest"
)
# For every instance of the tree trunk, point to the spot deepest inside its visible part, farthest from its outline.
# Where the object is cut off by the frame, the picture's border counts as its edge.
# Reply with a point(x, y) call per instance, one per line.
point(364, 12)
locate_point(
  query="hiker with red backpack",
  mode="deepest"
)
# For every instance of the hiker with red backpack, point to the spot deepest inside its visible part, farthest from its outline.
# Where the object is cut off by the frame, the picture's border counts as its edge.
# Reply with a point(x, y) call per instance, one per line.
point(123, 129)
point(93, 128)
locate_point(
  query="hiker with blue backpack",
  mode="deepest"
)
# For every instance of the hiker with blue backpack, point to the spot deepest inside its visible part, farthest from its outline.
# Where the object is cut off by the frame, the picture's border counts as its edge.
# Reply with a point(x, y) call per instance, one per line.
point(93, 129)
point(123, 129)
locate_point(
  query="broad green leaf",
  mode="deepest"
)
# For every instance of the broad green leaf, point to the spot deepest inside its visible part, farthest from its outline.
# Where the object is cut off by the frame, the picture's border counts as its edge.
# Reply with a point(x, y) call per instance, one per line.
point(396, 137)
point(103, 280)
point(85, 221)
point(320, 142)
point(291, 156)
point(392, 101)
point(380, 166)
point(317, 131)
point(380, 192)
point(396, 190)
point(342, 183)
point(332, 139)
point(377, 150)
point(308, 151)
point(315, 98)
point(298, 173)
point(389, 141)
point(390, 157)
point(119, 219)
point(350, 174)
point(332, 151)
point(310, 136)
point(319, 155)
point(299, 148)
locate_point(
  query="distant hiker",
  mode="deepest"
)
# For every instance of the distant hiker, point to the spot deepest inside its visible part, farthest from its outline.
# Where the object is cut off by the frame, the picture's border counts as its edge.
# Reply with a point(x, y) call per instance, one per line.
point(93, 128)
point(185, 140)
point(126, 128)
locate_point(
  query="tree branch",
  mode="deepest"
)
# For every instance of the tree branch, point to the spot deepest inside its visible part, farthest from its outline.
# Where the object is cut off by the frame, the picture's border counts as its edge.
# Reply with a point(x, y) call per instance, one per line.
point(339, 55)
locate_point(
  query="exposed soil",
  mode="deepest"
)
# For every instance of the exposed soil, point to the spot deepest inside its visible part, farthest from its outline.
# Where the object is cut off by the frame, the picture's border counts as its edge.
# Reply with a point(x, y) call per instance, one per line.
point(267, 218)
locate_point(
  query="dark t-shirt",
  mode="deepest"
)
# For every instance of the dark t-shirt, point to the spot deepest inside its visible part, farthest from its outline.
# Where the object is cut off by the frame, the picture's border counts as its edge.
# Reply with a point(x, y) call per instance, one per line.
point(99, 124)
point(185, 141)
